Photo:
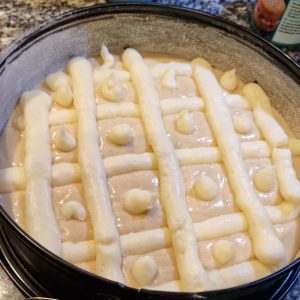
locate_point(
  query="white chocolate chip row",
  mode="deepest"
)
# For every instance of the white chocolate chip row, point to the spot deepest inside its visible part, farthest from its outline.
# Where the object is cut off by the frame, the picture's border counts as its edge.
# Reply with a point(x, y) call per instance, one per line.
point(123, 110)
point(108, 252)
point(172, 188)
point(151, 240)
point(12, 179)
point(40, 219)
point(219, 117)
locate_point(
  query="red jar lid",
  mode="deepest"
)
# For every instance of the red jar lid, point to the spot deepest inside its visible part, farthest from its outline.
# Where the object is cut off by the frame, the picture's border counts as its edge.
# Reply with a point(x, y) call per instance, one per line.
point(267, 13)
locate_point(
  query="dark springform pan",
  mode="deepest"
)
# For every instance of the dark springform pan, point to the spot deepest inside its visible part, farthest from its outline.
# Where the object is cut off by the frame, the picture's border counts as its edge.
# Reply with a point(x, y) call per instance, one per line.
point(153, 28)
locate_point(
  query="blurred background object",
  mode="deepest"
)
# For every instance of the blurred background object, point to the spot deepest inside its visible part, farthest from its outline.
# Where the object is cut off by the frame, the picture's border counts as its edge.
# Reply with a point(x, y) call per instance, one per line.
point(278, 21)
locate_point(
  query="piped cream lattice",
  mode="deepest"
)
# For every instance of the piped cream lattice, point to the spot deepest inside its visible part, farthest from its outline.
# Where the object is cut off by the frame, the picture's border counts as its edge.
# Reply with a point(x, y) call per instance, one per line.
point(165, 174)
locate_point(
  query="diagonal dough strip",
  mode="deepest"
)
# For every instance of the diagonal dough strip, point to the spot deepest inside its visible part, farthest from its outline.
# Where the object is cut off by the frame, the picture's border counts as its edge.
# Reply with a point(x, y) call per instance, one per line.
point(172, 189)
point(108, 252)
point(40, 218)
point(267, 247)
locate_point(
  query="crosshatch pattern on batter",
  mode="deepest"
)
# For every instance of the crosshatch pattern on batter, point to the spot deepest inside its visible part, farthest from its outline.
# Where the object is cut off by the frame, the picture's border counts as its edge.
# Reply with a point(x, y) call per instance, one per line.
point(156, 172)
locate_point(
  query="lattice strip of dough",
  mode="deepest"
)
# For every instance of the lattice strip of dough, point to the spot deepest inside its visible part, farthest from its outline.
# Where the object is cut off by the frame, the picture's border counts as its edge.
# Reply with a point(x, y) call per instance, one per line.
point(12, 179)
point(240, 274)
point(270, 128)
point(172, 189)
point(108, 252)
point(150, 240)
point(40, 219)
point(125, 110)
point(267, 247)
point(289, 185)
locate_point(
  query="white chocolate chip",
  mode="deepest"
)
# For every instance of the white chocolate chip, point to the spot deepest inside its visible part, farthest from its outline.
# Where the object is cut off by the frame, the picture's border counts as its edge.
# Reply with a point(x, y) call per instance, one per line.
point(112, 88)
point(205, 188)
point(228, 80)
point(264, 179)
point(223, 251)
point(121, 134)
point(64, 141)
point(57, 80)
point(144, 270)
point(137, 201)
point(73, 210)
point(185, 123)
point(63, 96)
point(242, 123)
point(108, 59)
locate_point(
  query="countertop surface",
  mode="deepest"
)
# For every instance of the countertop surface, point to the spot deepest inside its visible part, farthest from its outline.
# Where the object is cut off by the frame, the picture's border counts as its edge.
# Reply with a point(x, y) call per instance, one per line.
point(17, 16)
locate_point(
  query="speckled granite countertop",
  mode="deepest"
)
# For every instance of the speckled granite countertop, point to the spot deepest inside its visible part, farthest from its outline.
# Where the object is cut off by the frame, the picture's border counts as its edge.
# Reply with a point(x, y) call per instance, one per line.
point(18, 15)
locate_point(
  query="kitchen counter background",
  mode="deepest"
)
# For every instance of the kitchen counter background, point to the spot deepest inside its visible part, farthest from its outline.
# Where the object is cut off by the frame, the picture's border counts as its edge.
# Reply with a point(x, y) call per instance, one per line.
point(18, 15)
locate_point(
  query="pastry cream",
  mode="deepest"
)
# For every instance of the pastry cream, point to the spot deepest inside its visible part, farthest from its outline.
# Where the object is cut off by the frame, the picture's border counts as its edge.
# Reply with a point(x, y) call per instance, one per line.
point(205, 188)
point(73, 209)
point(264, 179)
point(242, 123)
point(64, 141)
point(185, 123)
point(112, 88)
point(223, 251)
point(154, 171)
point(229, 80)
point(121, 134)
point(144, 270)
point(137, 201)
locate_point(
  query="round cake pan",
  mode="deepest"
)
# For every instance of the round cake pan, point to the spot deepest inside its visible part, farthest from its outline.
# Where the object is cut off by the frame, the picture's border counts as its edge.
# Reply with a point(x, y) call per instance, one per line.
point(150, 28)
